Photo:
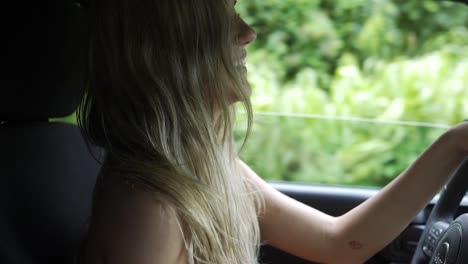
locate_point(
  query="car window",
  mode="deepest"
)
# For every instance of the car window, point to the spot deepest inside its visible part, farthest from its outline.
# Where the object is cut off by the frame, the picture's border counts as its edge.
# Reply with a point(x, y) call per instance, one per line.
point(350, 92)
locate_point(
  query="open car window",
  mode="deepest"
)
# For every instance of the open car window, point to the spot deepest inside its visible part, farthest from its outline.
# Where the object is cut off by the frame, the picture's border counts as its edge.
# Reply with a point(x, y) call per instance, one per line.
point(351, 92)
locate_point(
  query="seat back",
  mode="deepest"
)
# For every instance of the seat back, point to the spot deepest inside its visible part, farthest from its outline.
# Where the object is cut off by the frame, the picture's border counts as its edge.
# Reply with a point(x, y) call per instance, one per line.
point(48, 176)
point(47, 170)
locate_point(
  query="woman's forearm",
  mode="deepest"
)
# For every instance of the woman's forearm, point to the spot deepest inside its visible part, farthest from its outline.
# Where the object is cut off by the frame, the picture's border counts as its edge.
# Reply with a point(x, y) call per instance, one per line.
point(370, 226)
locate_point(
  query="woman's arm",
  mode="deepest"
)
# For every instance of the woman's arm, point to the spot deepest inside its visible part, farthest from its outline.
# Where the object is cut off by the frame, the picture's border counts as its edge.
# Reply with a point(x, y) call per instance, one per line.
point(363, 231)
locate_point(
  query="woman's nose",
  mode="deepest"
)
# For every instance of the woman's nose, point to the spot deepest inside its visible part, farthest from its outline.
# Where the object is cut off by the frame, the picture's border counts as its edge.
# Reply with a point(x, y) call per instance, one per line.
point(246, 34)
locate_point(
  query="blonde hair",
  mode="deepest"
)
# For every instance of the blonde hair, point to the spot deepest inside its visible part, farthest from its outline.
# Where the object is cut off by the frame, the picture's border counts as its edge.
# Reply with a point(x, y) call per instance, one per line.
point(162, 78)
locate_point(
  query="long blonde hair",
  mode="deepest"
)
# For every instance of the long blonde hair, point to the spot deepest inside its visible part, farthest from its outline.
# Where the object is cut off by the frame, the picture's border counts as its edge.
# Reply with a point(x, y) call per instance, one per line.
point(162, 76)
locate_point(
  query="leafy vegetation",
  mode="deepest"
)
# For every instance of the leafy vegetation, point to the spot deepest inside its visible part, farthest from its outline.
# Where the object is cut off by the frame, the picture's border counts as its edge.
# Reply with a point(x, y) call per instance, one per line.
point(333, 79)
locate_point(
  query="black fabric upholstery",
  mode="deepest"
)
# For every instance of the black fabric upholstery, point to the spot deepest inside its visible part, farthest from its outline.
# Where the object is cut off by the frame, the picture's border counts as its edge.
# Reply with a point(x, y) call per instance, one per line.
point(47, 179)
point(47, 173)
point(43, 51)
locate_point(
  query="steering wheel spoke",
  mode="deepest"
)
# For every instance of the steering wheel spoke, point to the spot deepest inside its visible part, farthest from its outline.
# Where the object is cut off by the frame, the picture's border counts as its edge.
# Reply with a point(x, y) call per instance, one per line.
point(452, 246)
point(444, 240)
point(433, 236)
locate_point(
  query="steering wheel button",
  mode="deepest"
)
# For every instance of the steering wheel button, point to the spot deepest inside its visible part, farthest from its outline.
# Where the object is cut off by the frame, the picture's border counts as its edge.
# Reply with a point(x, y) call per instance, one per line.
point(428, 250)
point(436, 231)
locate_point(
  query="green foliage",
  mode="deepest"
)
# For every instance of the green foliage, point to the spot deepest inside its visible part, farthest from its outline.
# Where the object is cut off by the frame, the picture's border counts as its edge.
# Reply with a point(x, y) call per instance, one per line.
point(316, 33)
point(375, 59)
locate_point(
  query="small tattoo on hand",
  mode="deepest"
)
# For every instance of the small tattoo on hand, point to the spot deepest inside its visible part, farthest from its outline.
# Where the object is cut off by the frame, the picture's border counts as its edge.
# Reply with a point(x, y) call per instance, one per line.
point(355, 245)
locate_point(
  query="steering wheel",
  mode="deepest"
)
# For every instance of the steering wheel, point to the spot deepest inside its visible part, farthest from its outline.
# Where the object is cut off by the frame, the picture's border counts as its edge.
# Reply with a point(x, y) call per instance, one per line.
point(445, 240)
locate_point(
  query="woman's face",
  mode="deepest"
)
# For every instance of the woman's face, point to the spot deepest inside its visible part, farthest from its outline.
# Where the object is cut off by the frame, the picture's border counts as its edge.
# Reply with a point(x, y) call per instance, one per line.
point(243, 35)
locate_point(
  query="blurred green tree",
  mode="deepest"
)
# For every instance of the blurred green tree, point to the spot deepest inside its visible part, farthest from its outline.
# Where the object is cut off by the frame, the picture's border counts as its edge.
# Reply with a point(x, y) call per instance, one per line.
point(322, 63)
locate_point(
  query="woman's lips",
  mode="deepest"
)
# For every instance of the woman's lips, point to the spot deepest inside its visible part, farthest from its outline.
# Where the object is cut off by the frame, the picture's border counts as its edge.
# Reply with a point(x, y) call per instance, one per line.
point(242, 57)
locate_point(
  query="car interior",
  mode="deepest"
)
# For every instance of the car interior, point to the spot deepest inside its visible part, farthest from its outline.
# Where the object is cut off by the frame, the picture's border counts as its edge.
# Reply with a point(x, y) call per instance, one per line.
point(49, 170)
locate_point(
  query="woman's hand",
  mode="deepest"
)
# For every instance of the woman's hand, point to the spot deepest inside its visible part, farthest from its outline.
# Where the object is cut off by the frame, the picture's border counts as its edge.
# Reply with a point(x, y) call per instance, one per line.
point(457, 137)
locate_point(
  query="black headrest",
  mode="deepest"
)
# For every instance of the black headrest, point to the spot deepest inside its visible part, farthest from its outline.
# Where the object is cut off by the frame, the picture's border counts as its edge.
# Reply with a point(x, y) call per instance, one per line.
point(44, 59)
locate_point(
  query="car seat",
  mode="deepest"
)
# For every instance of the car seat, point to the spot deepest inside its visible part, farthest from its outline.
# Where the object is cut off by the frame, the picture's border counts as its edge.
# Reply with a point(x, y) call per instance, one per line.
point(47, 169)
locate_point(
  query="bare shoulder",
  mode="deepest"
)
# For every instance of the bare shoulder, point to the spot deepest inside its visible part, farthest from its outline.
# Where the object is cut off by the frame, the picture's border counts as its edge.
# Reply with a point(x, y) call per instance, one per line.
point(135, 226)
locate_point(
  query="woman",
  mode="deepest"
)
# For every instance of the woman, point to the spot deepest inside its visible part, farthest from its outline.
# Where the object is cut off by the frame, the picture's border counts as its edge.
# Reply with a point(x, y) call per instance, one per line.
point(163, 77)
